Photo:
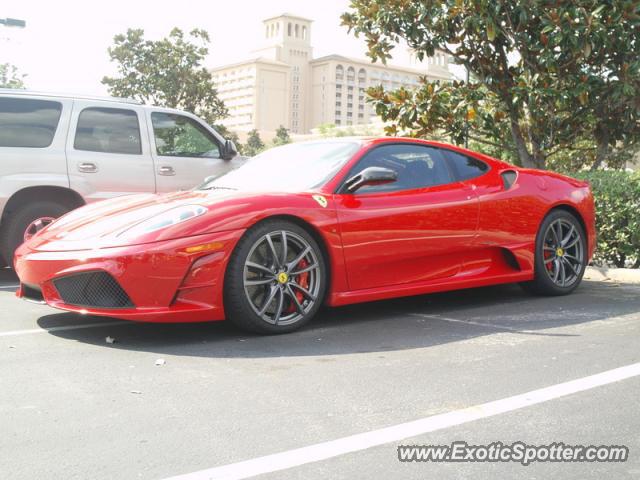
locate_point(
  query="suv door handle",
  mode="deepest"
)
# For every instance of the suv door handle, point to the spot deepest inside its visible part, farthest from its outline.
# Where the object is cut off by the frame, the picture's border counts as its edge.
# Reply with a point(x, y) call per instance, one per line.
point(166, 170)
point(87, 167)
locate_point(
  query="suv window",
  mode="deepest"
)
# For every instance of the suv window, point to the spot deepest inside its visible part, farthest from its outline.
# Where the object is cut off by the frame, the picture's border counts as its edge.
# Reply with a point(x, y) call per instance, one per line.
point(417, 166)
point(180, 136)
point(108, 130)
point(28, 123)
point(467, 167)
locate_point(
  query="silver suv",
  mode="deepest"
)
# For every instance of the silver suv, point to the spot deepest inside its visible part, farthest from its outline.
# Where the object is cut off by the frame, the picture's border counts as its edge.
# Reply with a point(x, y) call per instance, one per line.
point(59, 152)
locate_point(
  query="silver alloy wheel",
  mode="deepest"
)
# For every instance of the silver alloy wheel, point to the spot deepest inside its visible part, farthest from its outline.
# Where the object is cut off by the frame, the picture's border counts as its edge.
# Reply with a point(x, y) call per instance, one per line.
point(563, 253)
point(37, 225)
point(281, 277)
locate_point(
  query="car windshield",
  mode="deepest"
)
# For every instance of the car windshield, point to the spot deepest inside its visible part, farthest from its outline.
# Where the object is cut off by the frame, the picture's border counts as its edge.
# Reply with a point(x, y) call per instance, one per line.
point(293, 167)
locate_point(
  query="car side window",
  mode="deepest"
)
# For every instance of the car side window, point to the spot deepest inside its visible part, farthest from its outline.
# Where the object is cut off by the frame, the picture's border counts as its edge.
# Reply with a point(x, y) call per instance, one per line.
point(180, 136)
point(417, 166)
point(108, 130)
point(467, 167)
point(27, 123)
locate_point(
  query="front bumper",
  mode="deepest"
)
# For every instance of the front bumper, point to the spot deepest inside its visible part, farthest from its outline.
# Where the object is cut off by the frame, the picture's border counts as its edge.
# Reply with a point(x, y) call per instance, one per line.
point(170, 281)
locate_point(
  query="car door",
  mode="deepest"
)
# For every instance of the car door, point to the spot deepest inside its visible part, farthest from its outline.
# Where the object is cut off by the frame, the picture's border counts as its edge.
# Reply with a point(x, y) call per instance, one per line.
point(106, 155)
point(408, 231)
point(505, 212)
point(185, 151)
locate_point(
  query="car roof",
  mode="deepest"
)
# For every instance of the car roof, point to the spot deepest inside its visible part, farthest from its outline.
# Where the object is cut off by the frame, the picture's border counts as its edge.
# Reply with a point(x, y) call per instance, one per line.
point(32, 93)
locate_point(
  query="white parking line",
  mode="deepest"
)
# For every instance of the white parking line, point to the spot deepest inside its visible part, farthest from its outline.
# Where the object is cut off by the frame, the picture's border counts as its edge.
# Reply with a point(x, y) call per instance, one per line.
point(354, 443)
point(478, 324)
point(63, 327)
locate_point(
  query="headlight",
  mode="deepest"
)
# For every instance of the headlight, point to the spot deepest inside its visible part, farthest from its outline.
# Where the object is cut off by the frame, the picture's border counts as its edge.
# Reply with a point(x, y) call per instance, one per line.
point(165, 219)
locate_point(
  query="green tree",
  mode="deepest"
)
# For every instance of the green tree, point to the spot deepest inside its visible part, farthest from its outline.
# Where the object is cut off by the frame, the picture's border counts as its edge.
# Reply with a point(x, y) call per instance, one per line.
point(544, 68)
point(282, 136)
point(606, 78)
point(9, 76)
point(254, 144)
point(167, 72)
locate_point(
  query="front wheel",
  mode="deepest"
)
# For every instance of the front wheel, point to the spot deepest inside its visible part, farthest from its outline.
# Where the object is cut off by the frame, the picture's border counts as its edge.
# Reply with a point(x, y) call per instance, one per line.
point(561, 255)
point(276, 279)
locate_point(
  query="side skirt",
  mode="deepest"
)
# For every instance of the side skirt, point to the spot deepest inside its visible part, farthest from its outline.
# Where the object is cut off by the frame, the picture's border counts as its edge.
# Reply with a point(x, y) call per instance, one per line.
point(442, 285)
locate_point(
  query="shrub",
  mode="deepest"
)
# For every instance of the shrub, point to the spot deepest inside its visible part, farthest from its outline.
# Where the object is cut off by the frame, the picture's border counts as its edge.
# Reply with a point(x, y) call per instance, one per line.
point(617, 199)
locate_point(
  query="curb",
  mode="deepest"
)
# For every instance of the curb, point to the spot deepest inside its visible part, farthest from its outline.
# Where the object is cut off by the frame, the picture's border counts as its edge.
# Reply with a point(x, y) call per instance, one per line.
point(621, 275)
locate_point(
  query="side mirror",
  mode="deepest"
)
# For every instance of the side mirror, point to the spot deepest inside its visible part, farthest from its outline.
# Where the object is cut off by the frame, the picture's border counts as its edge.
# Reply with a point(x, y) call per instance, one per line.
point(229, 150)
point(371, 176)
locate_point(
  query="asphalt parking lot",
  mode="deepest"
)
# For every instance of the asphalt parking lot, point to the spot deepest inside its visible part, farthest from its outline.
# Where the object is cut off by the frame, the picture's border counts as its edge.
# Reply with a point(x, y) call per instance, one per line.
point(169, 400)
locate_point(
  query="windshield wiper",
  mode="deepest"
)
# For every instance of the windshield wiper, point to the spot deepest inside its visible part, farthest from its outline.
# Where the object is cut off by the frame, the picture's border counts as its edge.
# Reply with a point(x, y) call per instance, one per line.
point(216, 187)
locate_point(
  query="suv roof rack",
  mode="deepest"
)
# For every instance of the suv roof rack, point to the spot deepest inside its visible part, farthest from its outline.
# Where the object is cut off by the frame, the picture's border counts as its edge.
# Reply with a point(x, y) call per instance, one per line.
point(20, 91)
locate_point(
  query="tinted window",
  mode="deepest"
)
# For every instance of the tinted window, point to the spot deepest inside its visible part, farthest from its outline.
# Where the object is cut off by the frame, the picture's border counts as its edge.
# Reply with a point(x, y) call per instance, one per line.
point(108, 130)
point(178, 136)
point(417, 167)
point(467, 167)
point(28, 123)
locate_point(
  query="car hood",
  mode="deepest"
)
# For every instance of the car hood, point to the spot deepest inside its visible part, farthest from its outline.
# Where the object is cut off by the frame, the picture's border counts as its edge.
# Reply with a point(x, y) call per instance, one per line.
point(104, 223)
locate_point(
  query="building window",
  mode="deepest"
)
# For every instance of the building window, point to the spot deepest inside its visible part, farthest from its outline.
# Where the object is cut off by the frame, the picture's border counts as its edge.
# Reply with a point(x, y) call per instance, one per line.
point(304, 33)
point(297, 30)
point(339, 73)
point(362, 76)
point(338, 113)
point(351, 74)
point(338, 121)
point(289, 29)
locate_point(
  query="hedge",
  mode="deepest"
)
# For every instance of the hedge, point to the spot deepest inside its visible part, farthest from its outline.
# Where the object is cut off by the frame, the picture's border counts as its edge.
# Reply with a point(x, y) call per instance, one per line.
point(617, 199)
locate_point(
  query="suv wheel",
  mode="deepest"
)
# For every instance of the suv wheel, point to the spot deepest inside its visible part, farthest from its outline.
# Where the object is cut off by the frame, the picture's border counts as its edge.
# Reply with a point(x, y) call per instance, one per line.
point(26, 222)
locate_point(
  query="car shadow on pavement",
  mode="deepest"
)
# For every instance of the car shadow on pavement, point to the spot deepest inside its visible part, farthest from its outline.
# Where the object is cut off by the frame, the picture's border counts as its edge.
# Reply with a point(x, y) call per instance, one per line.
point(400, 324)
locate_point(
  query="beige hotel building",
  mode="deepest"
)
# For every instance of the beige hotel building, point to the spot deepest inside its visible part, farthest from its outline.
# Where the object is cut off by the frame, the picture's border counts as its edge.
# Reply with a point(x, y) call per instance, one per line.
point(284, 85)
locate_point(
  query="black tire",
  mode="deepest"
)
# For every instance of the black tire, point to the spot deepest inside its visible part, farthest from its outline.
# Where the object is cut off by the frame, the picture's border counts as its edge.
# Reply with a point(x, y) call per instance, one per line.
point(547, 261)
point(15, 225)
point(242, 302)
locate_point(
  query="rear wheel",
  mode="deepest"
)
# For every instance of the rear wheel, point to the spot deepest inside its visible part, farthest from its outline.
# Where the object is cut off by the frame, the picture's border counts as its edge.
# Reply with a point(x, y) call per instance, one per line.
point(24, 223)
point(276, 279)
point(561, 255)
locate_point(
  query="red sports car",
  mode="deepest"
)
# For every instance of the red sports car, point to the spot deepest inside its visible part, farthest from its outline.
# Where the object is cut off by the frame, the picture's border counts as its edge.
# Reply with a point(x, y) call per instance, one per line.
point(335, 221)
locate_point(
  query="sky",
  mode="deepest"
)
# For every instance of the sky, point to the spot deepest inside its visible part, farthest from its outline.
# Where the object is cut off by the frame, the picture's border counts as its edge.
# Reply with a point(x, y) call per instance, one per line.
point(64, 45)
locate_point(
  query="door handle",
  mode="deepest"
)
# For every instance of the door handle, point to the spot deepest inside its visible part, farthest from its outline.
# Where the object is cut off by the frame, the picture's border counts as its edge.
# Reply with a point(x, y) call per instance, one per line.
point(166, 170)
point(87, 167)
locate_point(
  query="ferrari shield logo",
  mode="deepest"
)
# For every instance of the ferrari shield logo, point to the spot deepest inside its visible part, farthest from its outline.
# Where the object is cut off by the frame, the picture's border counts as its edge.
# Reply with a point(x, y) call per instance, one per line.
point(321, 200)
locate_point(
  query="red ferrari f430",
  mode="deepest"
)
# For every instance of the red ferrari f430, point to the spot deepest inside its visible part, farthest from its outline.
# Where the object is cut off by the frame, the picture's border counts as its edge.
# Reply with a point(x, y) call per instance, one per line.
point(324, 222)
